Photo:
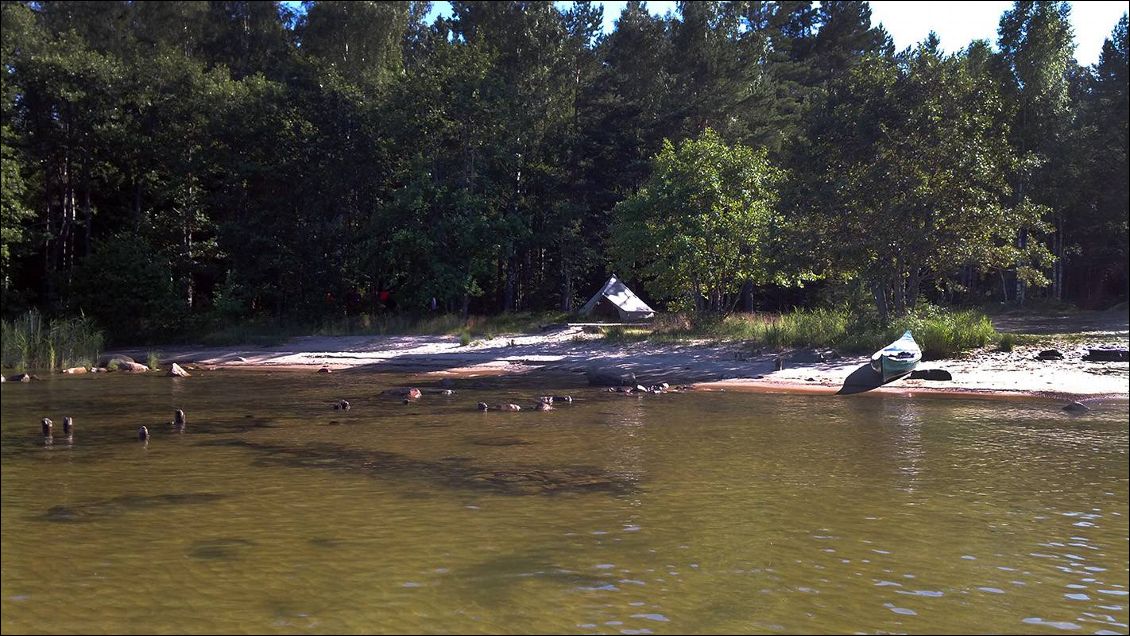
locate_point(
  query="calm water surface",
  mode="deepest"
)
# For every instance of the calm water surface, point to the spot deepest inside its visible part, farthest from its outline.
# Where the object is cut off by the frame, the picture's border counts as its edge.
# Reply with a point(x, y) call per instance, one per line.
point(680, 513)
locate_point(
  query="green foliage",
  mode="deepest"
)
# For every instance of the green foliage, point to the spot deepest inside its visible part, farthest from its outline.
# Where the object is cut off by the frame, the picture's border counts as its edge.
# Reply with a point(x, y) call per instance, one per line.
point(1007, 342)
point(622, 334)
point(13, 211)
point(153, 360)
point(268, 165)
point(31, 342)
point(127, 289)
point(922, 161)
point(702, 224)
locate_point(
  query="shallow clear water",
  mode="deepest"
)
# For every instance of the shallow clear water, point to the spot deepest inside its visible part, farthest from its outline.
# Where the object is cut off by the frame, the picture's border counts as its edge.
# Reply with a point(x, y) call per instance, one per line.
point(680, 513)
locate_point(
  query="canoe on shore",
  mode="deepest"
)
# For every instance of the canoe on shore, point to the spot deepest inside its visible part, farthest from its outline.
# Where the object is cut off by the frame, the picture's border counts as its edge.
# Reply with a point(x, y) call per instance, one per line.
point(898, 358)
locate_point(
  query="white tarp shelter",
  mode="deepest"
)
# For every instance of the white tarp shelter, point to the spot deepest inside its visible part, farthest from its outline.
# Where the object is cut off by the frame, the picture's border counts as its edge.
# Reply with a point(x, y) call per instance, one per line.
point(616, 299)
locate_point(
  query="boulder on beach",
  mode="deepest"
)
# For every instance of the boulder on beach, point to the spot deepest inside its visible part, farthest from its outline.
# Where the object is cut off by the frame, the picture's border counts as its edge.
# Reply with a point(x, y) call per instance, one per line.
point(106, 360)
point(610, 376)
point(811, 356)
point(75, 370)
point(1106, 355)
point(132, 367)
point(1050, 354)
point(939, 375)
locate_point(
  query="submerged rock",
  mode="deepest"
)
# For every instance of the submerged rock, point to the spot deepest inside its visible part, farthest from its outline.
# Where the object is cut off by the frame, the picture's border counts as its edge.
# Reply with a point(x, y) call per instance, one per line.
point(178, 372)
point(219, 549)
point(500, 441)
point(1076, 407)
point(406, 392)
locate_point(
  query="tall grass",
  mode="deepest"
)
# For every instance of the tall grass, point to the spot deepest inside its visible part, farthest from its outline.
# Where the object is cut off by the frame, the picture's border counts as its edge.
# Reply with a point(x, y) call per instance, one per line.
point(945, 333)
point(941, 333)
point(31, 342)
point(438, 324)
point(472, 327)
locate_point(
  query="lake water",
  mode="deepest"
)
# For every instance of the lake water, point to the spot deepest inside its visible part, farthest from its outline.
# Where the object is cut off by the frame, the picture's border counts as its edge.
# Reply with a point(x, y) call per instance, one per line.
point(678, 513)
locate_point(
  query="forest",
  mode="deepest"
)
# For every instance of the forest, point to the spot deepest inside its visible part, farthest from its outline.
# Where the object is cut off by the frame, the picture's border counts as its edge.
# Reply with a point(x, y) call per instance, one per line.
point(171, 167)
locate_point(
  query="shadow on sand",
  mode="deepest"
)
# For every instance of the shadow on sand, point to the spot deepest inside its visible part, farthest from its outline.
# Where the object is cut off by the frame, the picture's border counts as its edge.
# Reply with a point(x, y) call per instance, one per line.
point(861, 380)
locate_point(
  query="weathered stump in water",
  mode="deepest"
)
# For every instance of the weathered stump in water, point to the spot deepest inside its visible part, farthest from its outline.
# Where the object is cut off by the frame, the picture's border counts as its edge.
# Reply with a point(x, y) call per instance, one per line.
point(46, 426)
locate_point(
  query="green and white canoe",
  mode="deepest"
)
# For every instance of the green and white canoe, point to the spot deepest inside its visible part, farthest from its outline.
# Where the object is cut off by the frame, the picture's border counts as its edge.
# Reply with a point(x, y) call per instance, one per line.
point(898, 358)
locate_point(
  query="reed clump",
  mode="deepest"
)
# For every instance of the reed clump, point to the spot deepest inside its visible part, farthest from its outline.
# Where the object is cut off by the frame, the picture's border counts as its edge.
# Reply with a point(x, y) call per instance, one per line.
point(32, 342)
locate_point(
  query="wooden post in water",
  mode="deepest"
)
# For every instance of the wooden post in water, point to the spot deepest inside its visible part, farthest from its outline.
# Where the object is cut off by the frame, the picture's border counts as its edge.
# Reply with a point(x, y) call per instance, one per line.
point(143, 434)
point(68, 427)
point(179, 421)
point(46, 426)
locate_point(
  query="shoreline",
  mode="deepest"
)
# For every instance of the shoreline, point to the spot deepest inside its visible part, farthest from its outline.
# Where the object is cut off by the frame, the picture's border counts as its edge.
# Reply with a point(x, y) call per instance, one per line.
point(703, 365)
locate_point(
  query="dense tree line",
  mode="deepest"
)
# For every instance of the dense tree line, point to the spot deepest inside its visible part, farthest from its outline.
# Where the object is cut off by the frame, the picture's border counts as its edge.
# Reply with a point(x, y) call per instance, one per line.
point(170, 166)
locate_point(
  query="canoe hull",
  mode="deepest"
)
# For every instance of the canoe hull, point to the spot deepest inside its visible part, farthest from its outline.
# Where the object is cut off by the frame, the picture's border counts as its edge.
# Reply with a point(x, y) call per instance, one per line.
point(891, 368)
point(897, 359)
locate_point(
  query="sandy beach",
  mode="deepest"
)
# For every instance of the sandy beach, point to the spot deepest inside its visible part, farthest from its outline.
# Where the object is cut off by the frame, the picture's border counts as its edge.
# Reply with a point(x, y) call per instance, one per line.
point(711, 366)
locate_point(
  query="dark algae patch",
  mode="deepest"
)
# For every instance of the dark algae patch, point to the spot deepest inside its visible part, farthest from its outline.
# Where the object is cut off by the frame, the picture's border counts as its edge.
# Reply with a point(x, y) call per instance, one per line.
point(107, 508)
point(509, 480)
point(220, 549)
